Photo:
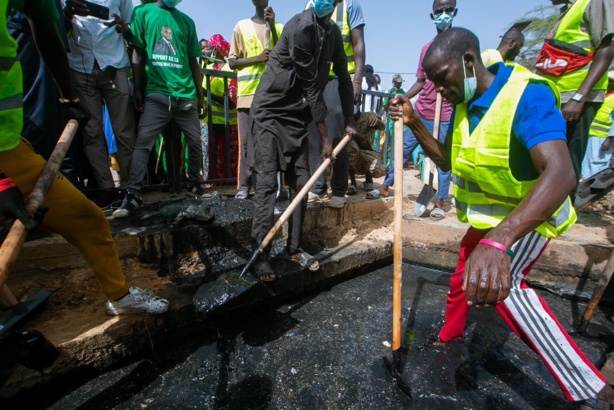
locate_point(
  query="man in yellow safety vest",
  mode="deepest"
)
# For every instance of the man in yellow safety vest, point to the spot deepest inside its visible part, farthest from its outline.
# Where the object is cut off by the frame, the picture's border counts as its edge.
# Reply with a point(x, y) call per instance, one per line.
point(513, 175)
point(252, 42)
point(576, 56)
point(509, 47)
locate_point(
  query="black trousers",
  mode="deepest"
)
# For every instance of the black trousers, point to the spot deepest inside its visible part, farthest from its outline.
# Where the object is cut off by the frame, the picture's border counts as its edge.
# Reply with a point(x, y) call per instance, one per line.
point(265, 185)
point(577, 135)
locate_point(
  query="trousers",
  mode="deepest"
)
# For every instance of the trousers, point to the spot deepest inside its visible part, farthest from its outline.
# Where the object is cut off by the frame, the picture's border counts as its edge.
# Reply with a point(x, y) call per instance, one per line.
point(71, 215)
point(528, 316)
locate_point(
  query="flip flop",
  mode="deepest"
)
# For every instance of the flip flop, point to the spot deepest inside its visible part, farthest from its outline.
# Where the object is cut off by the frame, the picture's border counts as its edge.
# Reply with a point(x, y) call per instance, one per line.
point(437, 214)
point(369, 186)
point(351, 190)
point(375, 194)
point(304, 259)
point(264, 271)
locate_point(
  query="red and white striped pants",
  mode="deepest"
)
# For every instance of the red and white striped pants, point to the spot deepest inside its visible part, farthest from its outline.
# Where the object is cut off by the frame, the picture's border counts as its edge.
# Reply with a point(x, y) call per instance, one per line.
point(528, 316)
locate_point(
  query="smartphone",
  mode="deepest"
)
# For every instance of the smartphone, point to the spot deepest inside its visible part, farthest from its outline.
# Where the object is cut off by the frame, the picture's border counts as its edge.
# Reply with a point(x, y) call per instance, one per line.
point(96, 10)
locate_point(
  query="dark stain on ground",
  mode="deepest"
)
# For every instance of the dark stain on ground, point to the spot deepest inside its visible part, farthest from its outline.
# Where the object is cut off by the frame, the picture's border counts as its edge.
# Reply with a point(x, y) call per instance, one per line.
point(325, 350)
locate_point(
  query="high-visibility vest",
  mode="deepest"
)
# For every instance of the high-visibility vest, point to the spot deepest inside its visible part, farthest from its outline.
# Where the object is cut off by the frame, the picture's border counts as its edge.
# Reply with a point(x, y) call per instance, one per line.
point(248, 78)
point(570, 31)
point(11, 87)
point(340, 16)
point(485, 190)
point(603, 119)
point(491, 56)
point(216, 110)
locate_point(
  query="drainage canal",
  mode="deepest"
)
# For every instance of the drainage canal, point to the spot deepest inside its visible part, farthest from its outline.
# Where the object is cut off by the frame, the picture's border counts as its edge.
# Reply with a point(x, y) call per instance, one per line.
point(325, 350)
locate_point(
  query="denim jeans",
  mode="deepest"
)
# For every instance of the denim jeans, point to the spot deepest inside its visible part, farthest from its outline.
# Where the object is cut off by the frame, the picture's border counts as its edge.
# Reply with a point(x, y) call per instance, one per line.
point(159, 111)
point(410, 143)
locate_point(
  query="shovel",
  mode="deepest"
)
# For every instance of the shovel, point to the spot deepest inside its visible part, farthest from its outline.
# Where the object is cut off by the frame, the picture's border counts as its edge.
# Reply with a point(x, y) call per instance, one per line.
point(295, 202)
point(428, 190)
point(395, 367)
point(11, 247)
point(229, 287)
point(604, 280)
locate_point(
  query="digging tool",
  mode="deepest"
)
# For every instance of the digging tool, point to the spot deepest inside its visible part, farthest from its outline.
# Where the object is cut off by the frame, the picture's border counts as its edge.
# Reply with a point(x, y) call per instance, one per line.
point(606, 275)
point(295, 202)
point(395, 367)
point(11, 247)
point(428, 190)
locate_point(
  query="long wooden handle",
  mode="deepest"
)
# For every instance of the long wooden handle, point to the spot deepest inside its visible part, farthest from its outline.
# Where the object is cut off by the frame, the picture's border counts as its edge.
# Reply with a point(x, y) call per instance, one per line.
point(299, 197)
point(268, 32)
point(11, 247)
point(397, 267)
point(606, 275)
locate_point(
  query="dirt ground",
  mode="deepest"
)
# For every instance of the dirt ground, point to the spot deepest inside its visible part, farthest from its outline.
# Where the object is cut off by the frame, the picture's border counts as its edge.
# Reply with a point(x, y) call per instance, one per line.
point(77, 299)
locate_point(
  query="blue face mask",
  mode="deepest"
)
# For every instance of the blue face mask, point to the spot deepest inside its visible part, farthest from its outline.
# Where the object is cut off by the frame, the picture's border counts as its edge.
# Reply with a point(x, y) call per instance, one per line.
point(323, 7)
point(171, 3)
point(443, 21)
point(471, 84)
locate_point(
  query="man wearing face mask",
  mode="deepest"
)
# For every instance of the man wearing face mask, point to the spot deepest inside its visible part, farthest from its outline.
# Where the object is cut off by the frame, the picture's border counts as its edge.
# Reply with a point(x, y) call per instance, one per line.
point(513, 175)
point(508, 49)
point(288, 98)
point(443, 15)
point(252, 42)
point(173, 92)
point(576, 56)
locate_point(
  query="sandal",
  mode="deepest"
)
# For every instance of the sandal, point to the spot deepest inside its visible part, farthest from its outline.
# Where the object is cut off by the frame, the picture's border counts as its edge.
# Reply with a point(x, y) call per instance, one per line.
point(242, 195)
point(264, 271)
point(351, 190)
point(304, 259)
point(369, 186)
point(375, 194)
point(437, 214)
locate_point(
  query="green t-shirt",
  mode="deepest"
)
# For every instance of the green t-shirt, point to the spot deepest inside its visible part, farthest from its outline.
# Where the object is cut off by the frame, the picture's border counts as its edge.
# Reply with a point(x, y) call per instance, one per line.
point(169, 40)
point(11, 79)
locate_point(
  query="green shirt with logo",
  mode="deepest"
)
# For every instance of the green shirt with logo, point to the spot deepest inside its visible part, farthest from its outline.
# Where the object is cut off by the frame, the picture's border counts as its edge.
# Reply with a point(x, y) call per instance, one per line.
point(169, 40)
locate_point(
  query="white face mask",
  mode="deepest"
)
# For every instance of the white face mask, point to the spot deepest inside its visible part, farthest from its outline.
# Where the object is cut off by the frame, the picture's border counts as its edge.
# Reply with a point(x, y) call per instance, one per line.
point(470, 84)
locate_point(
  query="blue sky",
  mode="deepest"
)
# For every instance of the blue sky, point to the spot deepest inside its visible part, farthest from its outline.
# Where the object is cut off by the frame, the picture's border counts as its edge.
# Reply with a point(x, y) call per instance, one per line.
point(395, 30)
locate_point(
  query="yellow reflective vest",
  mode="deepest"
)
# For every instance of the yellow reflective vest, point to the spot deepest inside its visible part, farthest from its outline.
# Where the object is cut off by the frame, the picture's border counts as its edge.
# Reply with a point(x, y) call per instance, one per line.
point(248, 78)
point(603, 119)
point(570, 31)
point(11, 87)
point(215, 109)
point(340, 16)
point(491, 56)
point(485, 190)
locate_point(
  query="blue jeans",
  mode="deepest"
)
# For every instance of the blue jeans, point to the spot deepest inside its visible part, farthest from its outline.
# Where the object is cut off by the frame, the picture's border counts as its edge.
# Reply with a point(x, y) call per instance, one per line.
point(409, 145)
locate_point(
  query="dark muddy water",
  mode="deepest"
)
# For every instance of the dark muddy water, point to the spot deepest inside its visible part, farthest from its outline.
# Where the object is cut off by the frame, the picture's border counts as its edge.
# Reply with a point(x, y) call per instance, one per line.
point(325, 350)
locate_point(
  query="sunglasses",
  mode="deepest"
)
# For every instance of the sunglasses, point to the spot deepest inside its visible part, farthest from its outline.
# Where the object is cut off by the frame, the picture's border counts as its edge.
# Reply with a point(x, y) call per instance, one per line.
point(447, 10)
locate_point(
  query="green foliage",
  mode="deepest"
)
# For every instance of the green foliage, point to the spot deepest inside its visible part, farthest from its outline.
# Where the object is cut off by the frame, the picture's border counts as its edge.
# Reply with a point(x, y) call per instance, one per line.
point(543, 20)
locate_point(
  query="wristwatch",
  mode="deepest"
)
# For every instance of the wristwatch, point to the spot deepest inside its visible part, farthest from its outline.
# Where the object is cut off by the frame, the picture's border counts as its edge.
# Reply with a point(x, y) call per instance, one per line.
point(577, 97)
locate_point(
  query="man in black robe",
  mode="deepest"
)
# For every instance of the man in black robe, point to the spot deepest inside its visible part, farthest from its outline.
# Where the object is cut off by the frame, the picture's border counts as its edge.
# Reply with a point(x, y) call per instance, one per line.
point(287, 99)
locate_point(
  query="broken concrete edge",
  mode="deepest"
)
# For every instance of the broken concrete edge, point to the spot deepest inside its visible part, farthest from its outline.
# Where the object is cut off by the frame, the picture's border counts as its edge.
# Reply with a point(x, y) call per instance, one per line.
point(119, 338)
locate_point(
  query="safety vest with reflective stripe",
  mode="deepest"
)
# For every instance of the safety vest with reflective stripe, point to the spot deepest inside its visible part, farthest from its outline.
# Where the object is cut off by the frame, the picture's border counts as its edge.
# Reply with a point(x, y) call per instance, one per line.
point(485, 190)
point(491, 56)
point(11, 87)
point(570, 31)
point(216, 110)
point(340, 16)
point(603, 119)
point(248, 78)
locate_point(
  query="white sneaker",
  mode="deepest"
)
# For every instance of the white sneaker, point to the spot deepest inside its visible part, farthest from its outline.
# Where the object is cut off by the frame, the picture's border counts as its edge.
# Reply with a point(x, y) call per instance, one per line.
point(315, 199)
point(139, 302)
point(337, 202)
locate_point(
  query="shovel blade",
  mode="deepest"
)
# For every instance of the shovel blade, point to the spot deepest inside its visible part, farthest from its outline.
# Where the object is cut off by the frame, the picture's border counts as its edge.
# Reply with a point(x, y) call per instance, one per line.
point(402, 380)
point(22, 312)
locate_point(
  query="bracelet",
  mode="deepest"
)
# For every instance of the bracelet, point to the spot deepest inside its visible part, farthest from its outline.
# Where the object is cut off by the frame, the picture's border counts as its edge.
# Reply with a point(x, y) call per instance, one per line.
point(69, 101)
point(358, 82)
point(497, 245)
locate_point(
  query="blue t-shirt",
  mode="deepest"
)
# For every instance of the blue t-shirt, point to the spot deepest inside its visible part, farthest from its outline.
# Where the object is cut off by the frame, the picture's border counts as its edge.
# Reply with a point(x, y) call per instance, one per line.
point(537, 120)
point(355, 16)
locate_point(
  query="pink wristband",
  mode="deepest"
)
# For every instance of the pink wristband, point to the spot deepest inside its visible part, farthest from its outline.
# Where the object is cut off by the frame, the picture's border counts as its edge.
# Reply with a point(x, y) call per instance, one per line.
point(497, 245)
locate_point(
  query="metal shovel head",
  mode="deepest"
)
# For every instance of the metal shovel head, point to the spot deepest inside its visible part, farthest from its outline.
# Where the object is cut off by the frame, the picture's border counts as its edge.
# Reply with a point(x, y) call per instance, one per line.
point(23, 311)
point(402, 380)
point(228, 287)
point(424, 199)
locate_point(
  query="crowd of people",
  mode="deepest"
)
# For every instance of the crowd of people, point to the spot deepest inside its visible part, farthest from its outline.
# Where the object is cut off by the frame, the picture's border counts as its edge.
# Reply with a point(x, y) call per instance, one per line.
point(278, 98)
